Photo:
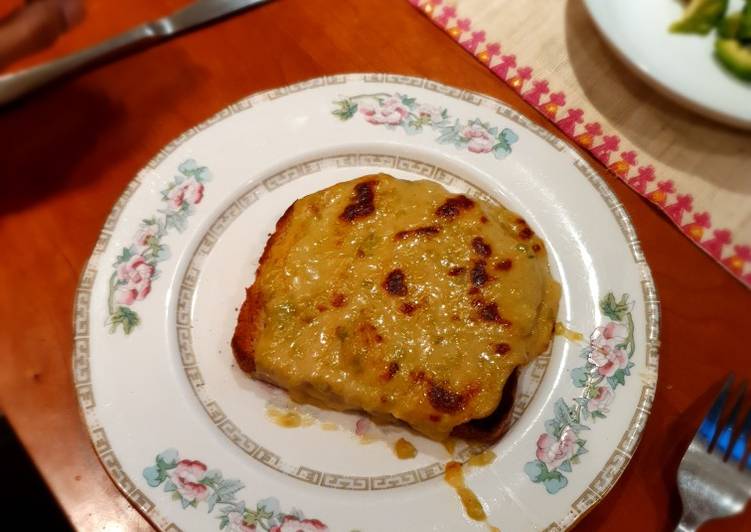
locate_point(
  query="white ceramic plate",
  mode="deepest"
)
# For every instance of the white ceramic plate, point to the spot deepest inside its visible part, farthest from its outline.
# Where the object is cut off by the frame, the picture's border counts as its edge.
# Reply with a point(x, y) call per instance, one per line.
point(682, 66)
point(187, 436)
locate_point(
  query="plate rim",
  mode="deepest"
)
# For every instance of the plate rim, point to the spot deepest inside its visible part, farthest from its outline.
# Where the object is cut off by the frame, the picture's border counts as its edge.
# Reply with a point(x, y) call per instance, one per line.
point(80, 356)
point(686, 101)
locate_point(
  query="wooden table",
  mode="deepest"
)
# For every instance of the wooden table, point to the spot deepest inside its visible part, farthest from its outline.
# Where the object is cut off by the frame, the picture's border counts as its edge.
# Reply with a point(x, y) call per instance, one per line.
point(68, 152)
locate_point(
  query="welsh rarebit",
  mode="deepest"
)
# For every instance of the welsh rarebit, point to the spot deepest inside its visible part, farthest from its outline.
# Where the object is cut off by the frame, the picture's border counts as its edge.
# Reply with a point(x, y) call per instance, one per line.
point(400, 299)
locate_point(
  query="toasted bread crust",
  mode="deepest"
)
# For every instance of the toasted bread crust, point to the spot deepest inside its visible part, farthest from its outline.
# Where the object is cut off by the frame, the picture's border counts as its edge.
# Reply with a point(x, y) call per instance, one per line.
point(250, 318)
point(248, 326)
point(491, 428)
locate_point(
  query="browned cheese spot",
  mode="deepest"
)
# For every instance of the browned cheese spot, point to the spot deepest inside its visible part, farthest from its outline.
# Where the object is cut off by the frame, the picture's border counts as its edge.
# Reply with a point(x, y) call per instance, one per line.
point(419, 231)
point(457, 270)
point(395, 283)
point(526, 233)
point(478, 274)
point(481, 247)
point(408, 308)
point(369, 334)
point(391, 370)
point(453, 206)
point(536, 247)
point(483, 219)
point(502, 348)
point(504, 265)
point(338, 300)
point(445, 400)
point(361, 204)
point(489, 312)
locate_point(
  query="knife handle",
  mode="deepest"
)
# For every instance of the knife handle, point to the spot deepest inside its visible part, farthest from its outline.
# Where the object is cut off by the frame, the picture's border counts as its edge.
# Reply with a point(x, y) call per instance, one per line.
point(15, 85)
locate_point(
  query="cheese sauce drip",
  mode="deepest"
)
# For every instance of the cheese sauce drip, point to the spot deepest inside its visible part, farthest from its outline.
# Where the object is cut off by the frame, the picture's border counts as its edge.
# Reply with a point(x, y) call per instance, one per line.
point(483, 459)
point(288, 418)
point(454, 476)
point(404, 449)
point(568, 334)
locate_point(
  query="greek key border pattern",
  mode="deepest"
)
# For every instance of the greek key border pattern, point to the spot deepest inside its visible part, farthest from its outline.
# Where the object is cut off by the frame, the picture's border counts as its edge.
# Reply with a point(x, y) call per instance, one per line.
point(85, 393)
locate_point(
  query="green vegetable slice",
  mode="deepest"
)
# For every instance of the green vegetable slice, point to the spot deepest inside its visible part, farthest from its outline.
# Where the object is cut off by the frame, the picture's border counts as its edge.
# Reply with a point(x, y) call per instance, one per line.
point(735, 57)
point(728, 28)
point(700, 16)
point(744, 24)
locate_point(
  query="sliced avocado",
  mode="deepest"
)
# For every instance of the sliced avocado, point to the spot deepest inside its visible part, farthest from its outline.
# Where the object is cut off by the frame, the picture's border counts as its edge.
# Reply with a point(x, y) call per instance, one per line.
point(728, 28)
point(700, 16)
point(735, 57)
point(744, 24)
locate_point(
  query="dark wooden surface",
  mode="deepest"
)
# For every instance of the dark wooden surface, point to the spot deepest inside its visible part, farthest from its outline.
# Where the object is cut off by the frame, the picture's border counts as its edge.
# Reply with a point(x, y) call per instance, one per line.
point(68, 152)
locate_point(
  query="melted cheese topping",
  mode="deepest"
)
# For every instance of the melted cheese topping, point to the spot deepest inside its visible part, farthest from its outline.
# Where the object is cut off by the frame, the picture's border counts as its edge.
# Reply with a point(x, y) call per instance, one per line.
point(402, 299)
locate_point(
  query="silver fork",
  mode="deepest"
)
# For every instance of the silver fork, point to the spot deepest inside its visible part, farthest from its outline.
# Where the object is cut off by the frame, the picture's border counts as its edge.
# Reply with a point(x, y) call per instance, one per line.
point(714, 477)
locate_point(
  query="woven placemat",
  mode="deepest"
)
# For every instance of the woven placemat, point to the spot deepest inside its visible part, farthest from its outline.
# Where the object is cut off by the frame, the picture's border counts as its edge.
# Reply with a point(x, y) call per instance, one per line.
point(696, 171)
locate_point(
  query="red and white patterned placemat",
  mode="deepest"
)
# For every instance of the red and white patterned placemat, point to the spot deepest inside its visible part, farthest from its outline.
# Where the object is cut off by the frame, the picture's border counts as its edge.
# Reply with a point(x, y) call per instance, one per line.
point(697, 172)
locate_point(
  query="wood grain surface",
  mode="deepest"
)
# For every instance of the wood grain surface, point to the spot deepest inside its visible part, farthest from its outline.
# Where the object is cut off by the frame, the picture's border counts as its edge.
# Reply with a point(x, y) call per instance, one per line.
point(67, 153)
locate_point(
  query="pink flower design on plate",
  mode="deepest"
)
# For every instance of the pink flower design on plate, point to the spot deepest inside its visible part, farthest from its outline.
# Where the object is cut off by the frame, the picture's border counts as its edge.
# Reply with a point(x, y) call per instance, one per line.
point(391, 112)
point(238, 524)
point(187, 477)
point(553, 452)
point(480, 141)
point(607, 351)
point(293, 524)
point(137, 275)
point(144, 236)
point(189, 191)
point(430, 111)
point(602, 400)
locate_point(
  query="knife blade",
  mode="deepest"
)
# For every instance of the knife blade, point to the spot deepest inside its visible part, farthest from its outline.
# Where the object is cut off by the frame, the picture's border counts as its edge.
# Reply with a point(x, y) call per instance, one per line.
point(200, 12)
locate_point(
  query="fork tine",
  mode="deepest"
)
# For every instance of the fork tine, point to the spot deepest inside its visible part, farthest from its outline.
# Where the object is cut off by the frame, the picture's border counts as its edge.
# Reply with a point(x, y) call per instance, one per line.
point(708, 428)
point(738, 451)
point(724, 440)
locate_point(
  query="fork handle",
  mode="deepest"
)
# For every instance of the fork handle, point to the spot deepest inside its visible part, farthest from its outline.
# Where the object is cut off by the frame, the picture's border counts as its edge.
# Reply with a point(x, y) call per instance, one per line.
point(17, 84)
point(689, 522)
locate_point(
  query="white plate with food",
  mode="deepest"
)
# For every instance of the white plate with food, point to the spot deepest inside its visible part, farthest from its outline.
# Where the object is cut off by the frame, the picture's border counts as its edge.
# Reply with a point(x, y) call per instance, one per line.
point(398, 284)
point(693, 63)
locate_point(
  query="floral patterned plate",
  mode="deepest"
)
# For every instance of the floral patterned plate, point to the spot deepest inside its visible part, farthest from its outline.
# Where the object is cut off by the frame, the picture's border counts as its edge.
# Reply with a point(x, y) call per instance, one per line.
point(196, 445)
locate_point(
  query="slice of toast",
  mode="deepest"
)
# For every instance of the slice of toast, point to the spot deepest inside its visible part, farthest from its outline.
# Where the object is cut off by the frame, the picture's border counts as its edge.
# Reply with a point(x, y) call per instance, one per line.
point(402, 300)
